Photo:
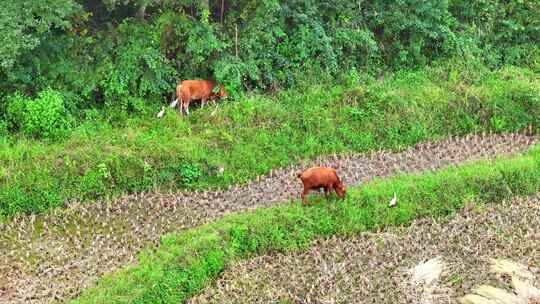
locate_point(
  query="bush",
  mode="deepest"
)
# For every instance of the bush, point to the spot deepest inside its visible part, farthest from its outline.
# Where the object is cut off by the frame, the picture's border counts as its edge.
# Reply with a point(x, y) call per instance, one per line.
point(3, 128)
point(189, 173)
point(44, 117)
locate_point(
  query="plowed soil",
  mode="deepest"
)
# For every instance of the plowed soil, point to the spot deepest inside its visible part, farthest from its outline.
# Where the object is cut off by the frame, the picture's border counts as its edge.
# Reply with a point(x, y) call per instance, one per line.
point(54, 256)
point(374, 267)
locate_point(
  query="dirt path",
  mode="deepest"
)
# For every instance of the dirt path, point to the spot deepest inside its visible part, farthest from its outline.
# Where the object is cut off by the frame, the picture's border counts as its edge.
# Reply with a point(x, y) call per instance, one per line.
point(54, 256)
point(375, 267)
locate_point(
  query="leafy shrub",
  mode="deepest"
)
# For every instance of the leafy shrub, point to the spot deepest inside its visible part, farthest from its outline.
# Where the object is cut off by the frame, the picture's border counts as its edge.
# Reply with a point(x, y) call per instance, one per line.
point(500, 31)
point(24, 24)
point(3, 128)
point(189, 173)
point(43, 117)
point(136, 67)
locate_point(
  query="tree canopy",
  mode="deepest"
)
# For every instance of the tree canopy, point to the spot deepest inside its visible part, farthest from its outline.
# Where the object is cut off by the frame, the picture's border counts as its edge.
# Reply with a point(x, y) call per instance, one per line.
point(118, 51)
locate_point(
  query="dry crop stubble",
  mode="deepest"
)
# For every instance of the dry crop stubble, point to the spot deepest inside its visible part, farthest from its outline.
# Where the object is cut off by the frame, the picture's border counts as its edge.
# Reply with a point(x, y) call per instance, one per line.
point(58, 254)
point(376, 267)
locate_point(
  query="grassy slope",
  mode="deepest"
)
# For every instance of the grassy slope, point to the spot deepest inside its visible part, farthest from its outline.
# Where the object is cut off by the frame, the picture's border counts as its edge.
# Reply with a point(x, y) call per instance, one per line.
point(254, 134)
point(185, 262)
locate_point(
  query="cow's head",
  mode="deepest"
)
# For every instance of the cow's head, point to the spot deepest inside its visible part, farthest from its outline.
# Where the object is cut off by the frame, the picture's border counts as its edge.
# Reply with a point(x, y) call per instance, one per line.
point(340, 190)
point(222, 93)
point(219, 91)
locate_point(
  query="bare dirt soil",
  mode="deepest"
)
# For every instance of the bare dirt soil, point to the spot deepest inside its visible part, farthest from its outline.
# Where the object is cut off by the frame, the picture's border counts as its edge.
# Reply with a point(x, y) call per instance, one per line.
point(54, 256)
point(376, 267)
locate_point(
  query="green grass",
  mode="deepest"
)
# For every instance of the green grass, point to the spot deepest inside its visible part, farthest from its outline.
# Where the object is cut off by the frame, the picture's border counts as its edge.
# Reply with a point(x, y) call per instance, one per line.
point(251, 135)
point(185, 262)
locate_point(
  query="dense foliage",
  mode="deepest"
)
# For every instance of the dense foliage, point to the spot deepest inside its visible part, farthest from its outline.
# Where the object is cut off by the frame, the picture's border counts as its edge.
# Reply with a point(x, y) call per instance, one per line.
point(130, 53)
point(44, 117)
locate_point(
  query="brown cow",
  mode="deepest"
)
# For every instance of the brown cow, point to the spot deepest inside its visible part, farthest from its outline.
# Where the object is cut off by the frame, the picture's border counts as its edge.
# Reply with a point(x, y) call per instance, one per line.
point(320, 177)
point(189, 90)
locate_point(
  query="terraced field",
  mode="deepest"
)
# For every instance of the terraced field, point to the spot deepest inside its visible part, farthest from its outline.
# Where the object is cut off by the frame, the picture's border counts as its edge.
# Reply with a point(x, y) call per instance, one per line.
point(376, 267)
point(55, 256)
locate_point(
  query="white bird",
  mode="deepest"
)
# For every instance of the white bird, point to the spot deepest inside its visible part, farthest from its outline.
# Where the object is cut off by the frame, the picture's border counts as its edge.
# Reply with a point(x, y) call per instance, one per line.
point(173, 104)
point(214, 112)
point(393, 201)
point(160, 114)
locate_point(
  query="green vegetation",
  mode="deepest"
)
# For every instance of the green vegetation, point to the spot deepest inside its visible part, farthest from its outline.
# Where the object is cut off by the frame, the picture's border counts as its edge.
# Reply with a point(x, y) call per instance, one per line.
point(186, 261)
point(124, 53)
point(44, 117)
point(250, 136)
point(81, 82)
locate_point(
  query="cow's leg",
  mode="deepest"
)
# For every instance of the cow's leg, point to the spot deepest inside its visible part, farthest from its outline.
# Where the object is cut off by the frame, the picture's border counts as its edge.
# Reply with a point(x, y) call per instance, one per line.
point(327, 190)
point(181, 108)
point(185, 103)
point(336, 186)
point(303, 196)
point(185, 108)
point(203, 102)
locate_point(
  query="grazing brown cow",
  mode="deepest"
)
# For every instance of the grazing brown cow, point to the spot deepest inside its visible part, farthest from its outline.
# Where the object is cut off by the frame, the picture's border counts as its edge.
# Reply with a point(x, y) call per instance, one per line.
point(320, 177)
point(189, 90)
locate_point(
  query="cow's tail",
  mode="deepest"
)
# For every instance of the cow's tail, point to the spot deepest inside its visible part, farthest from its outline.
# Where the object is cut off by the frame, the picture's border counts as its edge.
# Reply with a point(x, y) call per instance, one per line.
point(175, 102)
